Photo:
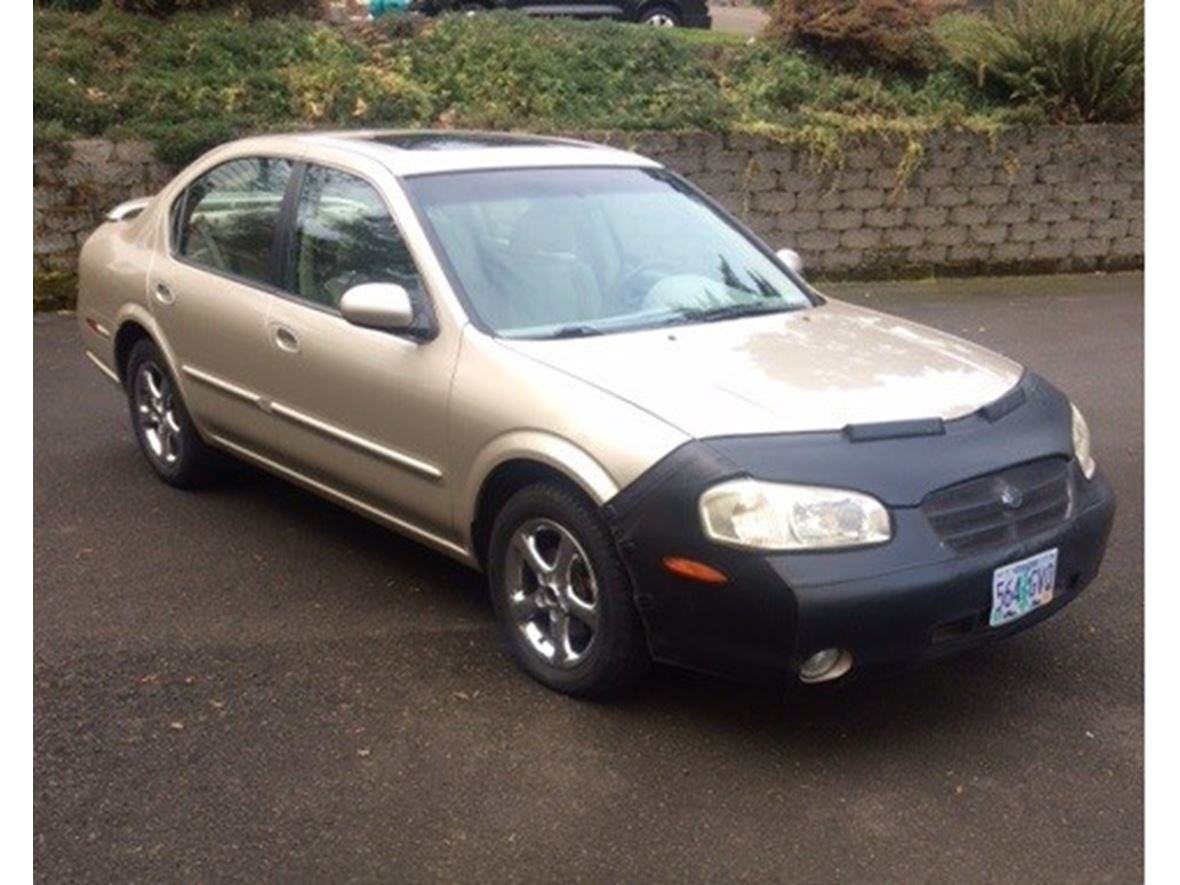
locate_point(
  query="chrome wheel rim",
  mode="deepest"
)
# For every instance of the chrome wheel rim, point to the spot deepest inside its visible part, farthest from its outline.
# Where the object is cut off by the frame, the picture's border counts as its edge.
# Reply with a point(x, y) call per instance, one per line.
point(155, 411)
point(661, 20)
point(552, 593)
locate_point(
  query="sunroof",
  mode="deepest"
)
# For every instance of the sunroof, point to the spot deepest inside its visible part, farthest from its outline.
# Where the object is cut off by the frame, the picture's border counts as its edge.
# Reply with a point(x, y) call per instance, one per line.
point(459, 141)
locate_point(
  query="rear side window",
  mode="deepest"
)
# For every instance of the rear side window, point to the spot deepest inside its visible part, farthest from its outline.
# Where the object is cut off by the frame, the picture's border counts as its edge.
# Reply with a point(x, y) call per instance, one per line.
point(226, 220)
point(344, 236)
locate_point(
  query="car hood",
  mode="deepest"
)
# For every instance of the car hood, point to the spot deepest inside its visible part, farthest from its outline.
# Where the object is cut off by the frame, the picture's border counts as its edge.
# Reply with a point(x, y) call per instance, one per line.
point(817, 369)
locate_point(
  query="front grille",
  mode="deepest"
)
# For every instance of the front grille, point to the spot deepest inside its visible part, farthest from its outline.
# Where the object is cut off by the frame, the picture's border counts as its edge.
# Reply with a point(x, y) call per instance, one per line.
point(1003, 507)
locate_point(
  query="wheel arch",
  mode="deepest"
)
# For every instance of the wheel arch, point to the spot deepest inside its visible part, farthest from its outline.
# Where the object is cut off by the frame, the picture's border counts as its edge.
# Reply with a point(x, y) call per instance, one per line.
point(135, 324)
point(128, 335)
point(519, 464)
point(670, 5)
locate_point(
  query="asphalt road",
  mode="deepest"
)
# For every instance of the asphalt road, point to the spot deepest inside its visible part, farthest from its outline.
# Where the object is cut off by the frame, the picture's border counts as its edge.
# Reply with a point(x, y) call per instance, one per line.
point(250, 684)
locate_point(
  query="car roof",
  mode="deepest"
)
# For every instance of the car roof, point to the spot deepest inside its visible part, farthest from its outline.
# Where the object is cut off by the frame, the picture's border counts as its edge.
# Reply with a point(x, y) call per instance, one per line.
point(410, 152)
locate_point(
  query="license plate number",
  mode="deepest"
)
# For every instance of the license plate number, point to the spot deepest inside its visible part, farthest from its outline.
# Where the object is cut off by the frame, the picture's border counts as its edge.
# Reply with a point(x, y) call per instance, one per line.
point(1020, 587)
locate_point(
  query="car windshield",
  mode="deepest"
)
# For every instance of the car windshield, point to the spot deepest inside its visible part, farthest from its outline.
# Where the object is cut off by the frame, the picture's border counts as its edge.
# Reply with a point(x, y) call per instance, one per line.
point(550, 253)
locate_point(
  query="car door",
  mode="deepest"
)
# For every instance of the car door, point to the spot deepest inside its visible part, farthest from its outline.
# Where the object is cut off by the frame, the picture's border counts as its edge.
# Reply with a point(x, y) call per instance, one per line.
point(210, 292)
point(359, 410)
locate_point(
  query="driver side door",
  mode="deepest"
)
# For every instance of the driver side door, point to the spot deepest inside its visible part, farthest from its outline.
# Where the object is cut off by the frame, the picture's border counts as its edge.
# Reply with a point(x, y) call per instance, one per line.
point(359, 411)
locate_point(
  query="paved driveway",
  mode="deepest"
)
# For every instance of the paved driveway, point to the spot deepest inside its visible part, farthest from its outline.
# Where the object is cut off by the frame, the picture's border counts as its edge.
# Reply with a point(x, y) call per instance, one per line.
point(250, 684)
point(738, 18)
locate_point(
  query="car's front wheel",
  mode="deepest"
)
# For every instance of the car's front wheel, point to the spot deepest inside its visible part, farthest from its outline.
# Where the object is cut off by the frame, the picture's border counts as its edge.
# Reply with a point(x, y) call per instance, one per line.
point(660, 17)
point(163, 428)
point(561, 594)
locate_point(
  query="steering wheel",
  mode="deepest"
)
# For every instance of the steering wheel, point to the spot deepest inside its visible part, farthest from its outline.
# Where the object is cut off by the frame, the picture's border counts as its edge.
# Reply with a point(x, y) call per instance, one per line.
point(627, 291)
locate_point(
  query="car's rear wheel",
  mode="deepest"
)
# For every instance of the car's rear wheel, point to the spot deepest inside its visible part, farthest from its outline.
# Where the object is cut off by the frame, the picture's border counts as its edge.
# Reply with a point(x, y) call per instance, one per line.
point(561, 594)
point(163, 428)
point(660, 17)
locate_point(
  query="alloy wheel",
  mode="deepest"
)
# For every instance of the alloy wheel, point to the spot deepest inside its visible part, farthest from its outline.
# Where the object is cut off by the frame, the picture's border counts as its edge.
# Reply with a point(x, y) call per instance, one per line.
point(155, 410)
point(552, 592)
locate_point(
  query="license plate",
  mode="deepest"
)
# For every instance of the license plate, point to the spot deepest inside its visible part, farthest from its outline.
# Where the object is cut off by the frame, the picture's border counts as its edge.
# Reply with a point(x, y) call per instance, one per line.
point(1020, 587)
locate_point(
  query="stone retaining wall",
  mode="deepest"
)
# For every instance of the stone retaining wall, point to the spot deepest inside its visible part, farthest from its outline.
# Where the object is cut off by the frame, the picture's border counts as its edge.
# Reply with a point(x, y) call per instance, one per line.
point(1033, 200)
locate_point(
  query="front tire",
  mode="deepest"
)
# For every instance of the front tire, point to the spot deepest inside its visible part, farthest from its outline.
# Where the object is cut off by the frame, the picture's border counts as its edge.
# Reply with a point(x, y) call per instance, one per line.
point(165, 432)
point(562, 595)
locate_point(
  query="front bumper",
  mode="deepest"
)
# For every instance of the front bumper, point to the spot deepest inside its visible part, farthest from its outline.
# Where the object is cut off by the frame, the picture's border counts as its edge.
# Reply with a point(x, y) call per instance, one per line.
point(910, 600)
point(942, 608)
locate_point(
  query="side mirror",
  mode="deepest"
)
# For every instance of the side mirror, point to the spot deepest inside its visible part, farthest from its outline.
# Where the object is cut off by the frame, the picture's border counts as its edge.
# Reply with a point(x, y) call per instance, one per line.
point(791, 259)
point(378, 306)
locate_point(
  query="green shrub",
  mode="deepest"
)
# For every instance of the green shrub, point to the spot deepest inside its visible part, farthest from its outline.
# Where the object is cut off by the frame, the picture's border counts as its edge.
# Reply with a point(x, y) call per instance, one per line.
point(770, 83)
point(888, 33)
point(253, 7)
point(506, 70)
point(70, 5)
point(195, 80)
point(1078, 59)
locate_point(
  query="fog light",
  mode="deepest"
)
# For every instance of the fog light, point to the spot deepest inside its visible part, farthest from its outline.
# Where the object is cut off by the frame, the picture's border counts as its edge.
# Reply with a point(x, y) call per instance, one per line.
point(823, 666)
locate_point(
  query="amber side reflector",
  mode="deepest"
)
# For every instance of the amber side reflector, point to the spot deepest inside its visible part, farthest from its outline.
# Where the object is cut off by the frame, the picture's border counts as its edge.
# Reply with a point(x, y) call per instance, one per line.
point(693, 570)
point(98, 328)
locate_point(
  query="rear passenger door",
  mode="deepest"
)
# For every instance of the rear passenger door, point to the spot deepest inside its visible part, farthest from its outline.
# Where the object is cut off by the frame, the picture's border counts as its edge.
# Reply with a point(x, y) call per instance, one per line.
point(211, 293)
point(360, 410)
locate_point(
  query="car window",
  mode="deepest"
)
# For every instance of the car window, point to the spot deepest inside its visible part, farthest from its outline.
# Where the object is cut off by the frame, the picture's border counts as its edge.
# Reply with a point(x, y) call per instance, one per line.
point(344, 236)
point(229, 216)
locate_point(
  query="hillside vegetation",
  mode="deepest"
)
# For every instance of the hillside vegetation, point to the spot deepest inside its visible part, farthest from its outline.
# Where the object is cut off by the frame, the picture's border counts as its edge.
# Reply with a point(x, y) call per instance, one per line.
point(194, 79)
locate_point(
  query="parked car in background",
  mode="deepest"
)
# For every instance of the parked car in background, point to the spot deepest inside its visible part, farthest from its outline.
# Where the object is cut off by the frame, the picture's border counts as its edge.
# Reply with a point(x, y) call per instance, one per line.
point(660, 13)
point(564, 365)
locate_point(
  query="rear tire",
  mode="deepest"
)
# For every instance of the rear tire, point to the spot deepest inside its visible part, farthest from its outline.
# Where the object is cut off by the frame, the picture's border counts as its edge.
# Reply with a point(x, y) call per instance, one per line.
point(660, 17)
point(562, 595)
point(165, 432)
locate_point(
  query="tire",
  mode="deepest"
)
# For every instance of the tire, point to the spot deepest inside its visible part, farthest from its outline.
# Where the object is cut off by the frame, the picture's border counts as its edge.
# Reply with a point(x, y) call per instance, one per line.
point(562, 595)
point(165, 432)
point(660, 17)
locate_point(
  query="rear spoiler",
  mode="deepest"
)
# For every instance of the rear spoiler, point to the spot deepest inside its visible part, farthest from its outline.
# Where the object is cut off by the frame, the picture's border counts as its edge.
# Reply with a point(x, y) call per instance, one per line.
point(127, 211)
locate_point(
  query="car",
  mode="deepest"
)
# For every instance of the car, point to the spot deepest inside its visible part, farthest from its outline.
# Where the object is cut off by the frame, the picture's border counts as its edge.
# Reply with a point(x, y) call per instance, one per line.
point(660, 13)
point(563, 365)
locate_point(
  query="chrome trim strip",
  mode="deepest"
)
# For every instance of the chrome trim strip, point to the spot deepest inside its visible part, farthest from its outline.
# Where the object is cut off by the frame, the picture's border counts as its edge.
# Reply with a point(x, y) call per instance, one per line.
point(224, 386)
point(357, 442)
point(111, 376)
point(347, 500)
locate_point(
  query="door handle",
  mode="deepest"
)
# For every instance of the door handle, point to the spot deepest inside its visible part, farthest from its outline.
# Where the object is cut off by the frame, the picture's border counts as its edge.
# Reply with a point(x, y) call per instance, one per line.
point(164, 293)
point(286, 340)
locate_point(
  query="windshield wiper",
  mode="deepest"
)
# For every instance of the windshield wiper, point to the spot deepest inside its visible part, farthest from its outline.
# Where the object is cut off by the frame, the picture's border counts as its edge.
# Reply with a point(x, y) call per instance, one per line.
point(730, 311)
point(575, 332)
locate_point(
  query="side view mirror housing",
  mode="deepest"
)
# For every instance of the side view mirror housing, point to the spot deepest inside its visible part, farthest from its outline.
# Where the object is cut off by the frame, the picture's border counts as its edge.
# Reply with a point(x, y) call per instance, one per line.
point(384, 306)
point(791, 259)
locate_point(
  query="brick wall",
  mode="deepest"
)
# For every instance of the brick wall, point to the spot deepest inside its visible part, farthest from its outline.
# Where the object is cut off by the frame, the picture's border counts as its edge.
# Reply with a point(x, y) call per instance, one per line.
point(1041, 200)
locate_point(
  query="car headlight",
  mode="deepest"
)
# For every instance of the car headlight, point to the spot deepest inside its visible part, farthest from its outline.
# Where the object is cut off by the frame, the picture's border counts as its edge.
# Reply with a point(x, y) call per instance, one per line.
point(1081, 443)
point(776, 516)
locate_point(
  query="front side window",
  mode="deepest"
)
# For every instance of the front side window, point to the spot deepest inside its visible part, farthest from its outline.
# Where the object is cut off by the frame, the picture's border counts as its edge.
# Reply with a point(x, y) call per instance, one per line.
point(542, 253)
point(227, 218)
point(344, 236)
